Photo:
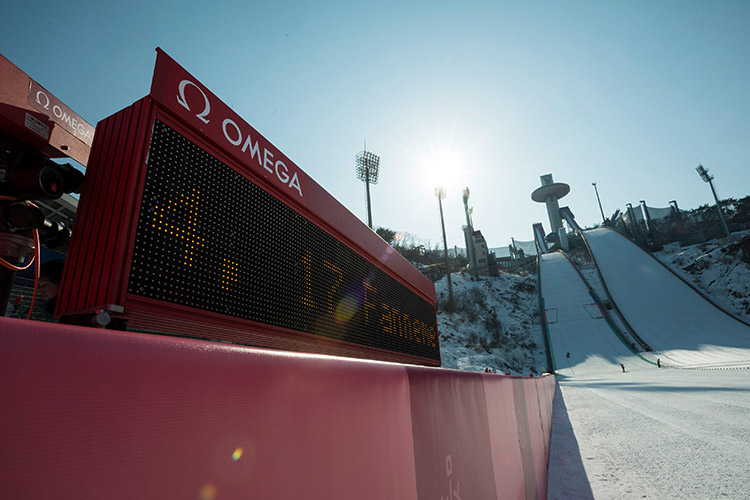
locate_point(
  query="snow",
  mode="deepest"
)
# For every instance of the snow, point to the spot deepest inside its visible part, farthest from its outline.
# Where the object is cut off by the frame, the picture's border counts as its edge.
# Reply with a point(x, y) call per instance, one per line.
point(715, 269)
point(512, 298)
point(653, 433)
point(649, 432)
point(495, 324)
point(681, 326)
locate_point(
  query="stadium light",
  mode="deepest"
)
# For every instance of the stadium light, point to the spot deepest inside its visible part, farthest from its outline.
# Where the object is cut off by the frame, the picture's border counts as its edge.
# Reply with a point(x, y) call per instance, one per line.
point(703, 172)
point(707, 177)
point(368, 168)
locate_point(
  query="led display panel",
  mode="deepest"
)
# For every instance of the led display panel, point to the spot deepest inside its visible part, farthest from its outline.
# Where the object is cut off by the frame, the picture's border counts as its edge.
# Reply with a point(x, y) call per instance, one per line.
point(209, 238)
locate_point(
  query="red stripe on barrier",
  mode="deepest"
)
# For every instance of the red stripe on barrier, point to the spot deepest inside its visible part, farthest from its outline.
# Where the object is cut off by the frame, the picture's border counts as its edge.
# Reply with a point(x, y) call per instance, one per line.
point(451, 435)
point(98, 414)
point(506, 454)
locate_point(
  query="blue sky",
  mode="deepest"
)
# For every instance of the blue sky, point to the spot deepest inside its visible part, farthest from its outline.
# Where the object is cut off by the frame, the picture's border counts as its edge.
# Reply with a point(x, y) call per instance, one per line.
point(631, 95)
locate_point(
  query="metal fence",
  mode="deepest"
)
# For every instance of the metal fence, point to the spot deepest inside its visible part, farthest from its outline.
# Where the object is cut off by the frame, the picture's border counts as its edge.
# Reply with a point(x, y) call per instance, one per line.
point(660, 226)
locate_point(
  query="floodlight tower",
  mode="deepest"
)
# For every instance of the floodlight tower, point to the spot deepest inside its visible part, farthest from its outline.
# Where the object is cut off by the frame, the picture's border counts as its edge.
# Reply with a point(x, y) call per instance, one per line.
point(368, 167)
point(549, 193)
point(703, 172)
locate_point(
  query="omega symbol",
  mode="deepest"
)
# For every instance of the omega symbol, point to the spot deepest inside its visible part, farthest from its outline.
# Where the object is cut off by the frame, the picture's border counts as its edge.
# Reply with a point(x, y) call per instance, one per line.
point(181, 99)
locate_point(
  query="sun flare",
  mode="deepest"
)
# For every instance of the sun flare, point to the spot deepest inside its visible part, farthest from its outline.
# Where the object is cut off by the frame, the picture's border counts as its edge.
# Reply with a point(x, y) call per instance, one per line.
point(444, 166)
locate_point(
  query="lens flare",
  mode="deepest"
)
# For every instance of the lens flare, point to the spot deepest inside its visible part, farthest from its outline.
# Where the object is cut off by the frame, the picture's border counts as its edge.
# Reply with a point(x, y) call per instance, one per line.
point(208, 492)
point(387, 254)
point(237, 454)
point(347, 308)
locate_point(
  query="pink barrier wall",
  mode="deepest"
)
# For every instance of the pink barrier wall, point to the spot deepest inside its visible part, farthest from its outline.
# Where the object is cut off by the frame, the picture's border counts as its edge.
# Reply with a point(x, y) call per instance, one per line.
point(98, 414)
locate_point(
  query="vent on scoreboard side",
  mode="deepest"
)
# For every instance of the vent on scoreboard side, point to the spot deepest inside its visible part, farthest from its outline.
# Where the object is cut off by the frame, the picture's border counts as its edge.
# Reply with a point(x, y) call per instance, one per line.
point(93, 276)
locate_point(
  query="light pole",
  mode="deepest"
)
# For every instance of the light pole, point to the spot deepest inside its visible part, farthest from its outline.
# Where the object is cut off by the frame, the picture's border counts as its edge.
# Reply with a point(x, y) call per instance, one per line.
point(703, 172)
point(604, 219)
point(368, 167)
point(470, 235)
point(440, 193)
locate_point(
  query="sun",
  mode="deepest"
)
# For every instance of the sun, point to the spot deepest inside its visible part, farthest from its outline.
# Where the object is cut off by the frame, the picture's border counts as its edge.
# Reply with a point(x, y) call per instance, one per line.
point(444, 166)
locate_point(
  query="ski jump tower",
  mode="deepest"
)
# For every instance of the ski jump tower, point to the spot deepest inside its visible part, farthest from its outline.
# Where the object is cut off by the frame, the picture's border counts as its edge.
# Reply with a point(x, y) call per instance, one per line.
point(548, 193)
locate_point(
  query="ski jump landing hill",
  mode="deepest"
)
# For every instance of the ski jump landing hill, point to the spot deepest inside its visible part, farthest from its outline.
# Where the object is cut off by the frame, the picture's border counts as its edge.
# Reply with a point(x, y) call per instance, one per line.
point(682, 328)
point(581, 335)
point(643, 432)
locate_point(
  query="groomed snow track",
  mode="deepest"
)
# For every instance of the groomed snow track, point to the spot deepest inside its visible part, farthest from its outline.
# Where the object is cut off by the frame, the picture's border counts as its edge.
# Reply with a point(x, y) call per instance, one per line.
point(580, 334)
point(643, 431)
point(683, 328)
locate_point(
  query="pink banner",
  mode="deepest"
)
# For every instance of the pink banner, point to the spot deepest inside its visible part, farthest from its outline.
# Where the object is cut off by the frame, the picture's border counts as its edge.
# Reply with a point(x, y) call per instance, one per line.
point(91, 413)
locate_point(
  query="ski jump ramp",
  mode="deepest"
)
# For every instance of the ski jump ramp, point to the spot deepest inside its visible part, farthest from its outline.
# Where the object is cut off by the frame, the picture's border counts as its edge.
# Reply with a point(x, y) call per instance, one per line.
point(682, 327)
point(577, 325)
point(643, 433)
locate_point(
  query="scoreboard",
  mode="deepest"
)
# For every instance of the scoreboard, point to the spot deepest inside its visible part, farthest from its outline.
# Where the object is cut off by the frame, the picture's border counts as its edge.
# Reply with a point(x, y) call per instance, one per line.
point(192, 223)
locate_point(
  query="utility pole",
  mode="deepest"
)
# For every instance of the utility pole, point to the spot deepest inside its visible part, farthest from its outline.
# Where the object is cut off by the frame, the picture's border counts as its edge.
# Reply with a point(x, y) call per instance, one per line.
point(604, 219)
point(440, 193)
point(470, 235)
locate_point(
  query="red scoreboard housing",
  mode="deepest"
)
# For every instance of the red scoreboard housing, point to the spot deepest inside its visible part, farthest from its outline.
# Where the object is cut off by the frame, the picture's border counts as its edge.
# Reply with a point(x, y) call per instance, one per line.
point(192, 223)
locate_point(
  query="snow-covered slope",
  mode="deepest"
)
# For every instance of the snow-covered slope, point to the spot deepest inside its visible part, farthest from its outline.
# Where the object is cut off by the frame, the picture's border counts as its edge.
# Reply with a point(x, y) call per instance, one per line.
point(651, 433)
point(720, 270)
point(645, 432)
point(494, 324)
point(684, 328)
point(580, 335)
point(716, 268)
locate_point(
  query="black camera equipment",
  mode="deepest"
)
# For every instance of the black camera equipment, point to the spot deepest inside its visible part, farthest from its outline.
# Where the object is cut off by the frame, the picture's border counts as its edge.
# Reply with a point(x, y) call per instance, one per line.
point(25, 175)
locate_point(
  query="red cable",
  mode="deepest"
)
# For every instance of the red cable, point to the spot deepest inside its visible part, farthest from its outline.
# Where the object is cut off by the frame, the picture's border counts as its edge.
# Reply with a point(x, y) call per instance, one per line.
point(37, 258)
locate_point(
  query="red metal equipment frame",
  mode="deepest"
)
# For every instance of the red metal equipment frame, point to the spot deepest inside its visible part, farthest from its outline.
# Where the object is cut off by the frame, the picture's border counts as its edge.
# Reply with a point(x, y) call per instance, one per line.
point(34, 116)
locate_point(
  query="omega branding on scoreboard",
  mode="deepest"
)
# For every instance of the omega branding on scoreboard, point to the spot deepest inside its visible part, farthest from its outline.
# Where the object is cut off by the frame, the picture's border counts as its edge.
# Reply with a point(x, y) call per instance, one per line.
point(235, 137)
point(223, 237)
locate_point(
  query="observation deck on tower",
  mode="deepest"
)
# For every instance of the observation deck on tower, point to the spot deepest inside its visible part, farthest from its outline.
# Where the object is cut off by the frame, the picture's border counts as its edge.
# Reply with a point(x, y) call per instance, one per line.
point(549, 193)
